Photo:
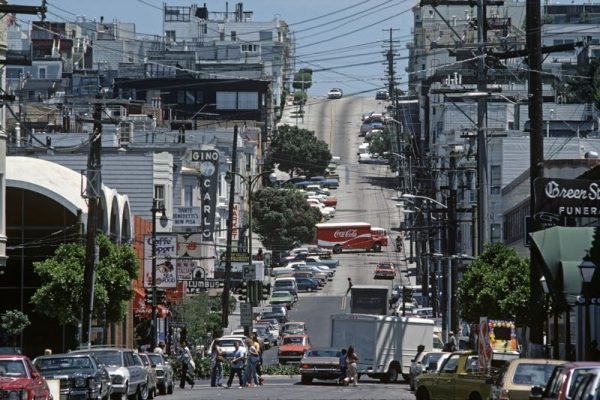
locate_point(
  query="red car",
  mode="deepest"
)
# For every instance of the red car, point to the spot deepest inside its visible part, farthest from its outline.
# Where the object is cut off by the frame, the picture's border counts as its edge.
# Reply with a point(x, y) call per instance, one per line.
point(329, 201)
point(385, 270)
point(293, 348)
point(20, 380)
point(563, 380)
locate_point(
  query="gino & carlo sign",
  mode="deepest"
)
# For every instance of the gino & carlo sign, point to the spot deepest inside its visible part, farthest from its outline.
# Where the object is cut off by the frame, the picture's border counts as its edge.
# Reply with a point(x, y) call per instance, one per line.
point(207, 162)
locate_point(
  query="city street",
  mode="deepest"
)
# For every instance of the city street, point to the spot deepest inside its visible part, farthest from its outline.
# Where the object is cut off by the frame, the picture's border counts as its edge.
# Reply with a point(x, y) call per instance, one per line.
point(285, 387)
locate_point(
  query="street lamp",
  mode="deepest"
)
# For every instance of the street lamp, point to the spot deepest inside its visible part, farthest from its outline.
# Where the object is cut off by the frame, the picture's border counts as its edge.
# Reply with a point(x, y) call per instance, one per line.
point(587, 269)
point(414, 196)
point(156, 207)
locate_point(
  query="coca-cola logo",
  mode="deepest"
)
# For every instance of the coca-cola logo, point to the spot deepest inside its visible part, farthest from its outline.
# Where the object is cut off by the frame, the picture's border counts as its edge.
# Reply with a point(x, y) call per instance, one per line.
point(345, 234)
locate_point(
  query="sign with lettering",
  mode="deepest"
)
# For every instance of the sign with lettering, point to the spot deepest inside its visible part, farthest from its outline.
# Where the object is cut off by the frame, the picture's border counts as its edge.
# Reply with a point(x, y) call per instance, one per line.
point(166, 252)
point(556, 198)
point(186, 217)
point(196, 287)
point(246, 314)
point(235, 221)
point(237, 256)
point(189, 245)
point(207, 162)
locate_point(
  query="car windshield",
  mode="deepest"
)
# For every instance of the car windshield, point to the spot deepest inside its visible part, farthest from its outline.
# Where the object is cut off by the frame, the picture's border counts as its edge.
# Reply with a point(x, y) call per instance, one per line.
point(227, 342)
point(13, 368)
point(110, 358)
point(324, 353)
point(532, 374)
point(431, 357)
point(156, 359)
point(293, 340)
point(63, 363)
point(576, 377)
point(281, 294)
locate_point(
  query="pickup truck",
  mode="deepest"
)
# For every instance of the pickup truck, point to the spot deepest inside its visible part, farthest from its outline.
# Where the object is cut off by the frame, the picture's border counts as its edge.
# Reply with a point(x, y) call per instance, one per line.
point(458, 378)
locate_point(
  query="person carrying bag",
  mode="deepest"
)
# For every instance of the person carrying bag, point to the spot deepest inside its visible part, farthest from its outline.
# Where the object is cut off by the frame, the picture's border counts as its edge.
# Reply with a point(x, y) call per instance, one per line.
point(188, 366)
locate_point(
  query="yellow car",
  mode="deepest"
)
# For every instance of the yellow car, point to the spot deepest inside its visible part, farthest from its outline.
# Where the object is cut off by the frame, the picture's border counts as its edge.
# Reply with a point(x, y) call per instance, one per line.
point(520, 375)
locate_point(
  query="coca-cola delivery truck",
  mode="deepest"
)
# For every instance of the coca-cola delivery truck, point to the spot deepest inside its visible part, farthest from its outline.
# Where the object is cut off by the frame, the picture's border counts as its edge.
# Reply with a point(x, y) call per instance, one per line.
point(351, 236)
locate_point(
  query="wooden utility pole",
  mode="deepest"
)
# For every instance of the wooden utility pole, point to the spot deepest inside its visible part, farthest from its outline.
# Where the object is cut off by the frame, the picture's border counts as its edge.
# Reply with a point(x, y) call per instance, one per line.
point(227, 285)
point(536, 167)
point(92, 194)
point(482, 167)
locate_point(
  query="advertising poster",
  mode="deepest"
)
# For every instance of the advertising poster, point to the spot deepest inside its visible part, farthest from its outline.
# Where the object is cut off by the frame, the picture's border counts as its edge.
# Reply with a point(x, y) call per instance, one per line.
point(166, 253)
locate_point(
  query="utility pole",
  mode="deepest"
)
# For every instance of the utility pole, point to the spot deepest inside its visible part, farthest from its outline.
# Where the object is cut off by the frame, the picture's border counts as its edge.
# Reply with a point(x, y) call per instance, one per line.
point(450, 274)
point(393, 92)
point(92, 194)
point(536, 167)
point(227, 285)
point(482, 167)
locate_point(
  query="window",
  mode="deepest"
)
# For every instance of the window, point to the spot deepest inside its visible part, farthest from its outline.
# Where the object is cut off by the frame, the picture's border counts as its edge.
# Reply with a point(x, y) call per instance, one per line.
point(248, 100)
point(451, 364)
point(496, 233)
point(199, 97)
point(181, 97)
point(171, 36)
point(250, 48)
point(190, 97)
point(226, 100)
point(204, 28)
point(496, 179)
point(188, 195)
point(159, 195)
point(233, 36)
point(42, 72)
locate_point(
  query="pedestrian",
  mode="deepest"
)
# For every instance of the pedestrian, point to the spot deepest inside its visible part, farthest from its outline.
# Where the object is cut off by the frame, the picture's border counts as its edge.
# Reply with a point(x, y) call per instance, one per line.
point(188, 366)
point(217, 357)
point(253, 360)
point(343, 365)
point(349, 286)
point(47, 352)
point(451, 341)
point(237, 364)
point(351, 360)
point(260, 356)
point(160, 349)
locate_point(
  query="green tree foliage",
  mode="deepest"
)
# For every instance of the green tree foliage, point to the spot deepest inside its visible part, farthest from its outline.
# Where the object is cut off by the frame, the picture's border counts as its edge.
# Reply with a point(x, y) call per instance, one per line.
point(282, 218)
point(386, 144)
point(302, 79)
point(14, 322)
point(60, 294)
point(201, 315)
point(584, 89)
point(298, 150)
point(495, 285)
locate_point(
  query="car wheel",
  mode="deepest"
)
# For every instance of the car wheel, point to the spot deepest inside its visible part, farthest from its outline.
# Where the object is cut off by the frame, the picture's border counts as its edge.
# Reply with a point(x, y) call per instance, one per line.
point(337, 249)
point(152, 393)
point(170, 389)
point(306, 380)
point(377, 247)
point(162, 390)
point(422, 394)
point(120, 396)
point(309, 289)
point(142, 392)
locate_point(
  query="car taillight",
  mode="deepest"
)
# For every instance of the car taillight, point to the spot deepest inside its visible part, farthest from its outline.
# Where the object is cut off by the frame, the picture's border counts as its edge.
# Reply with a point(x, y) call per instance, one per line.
point(305, 366)
point(504, 395)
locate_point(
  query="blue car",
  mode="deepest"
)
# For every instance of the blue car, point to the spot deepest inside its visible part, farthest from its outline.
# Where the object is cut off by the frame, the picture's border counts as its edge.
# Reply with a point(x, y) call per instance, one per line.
point(307, 284)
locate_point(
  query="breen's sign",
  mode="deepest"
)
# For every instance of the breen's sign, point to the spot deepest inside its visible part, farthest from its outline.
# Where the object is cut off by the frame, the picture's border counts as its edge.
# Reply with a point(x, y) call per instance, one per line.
point(207, 162)
point(557, 198)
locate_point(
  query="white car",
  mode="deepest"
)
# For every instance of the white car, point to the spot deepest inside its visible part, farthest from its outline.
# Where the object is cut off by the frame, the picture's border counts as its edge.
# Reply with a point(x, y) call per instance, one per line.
point(327, 212)
point(226, 344)
point(335, 93)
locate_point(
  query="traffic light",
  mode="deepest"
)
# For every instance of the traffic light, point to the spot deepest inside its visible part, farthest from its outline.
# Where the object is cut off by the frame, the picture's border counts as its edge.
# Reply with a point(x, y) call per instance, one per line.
point(244, 292)
point(265, 291)
point(407, 294)
point(161, 296)
point(148, 297)
point(253, 292)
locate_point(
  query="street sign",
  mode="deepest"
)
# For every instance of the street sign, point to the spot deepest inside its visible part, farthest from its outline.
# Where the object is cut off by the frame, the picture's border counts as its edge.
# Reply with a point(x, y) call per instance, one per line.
point(249, 272)
point(246, 314)
point(186, 216)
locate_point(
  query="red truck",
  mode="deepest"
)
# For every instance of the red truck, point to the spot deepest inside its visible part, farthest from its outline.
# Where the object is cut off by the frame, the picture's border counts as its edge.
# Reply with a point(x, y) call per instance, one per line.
point(351, 235)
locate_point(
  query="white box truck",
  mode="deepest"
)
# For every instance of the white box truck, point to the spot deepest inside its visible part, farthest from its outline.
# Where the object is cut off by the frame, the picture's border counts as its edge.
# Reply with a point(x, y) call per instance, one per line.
point(385, 345)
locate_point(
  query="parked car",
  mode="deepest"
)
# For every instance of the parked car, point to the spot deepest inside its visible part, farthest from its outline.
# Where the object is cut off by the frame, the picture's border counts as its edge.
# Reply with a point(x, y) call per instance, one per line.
point(19, 379)
point(307, 284)
point(335, 93)
point(152, 380)
point(164, 373)
point(272, 325)
point(518, 377)
point(382, 95)
point(294, 328)
point(320, 364)
point(425, 362)
point(288, 284)
point(265, 335)
point(81, 376)
point(226, 343)
point(385, 270)
point(282, 297)
point(127, 372)
point(563, 380)
point(293, 348)
point(588, 387)
point(368, 158)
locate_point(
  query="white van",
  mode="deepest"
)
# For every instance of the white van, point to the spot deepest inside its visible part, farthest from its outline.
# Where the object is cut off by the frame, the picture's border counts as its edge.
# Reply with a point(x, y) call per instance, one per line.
point(288, 284)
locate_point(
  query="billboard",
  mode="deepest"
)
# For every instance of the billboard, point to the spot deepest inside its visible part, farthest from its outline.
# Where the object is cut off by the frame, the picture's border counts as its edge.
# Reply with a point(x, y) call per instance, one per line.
point(166, 252)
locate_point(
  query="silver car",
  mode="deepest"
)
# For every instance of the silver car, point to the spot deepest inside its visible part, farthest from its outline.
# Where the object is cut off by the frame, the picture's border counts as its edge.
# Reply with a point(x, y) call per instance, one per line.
point(164, 373)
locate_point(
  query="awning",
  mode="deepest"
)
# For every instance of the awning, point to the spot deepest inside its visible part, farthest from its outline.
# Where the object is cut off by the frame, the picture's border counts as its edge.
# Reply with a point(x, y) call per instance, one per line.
point(143, 310)
point(562, 250)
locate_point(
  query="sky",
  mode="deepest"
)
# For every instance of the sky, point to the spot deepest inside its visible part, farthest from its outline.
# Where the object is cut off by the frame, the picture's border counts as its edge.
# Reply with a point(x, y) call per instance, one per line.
point(343, 41)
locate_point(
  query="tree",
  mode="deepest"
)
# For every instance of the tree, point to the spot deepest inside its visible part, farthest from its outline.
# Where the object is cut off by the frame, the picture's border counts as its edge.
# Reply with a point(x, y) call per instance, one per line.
point(302, 79)
point(14, 323)
point(282, 218)
point(495, 285)
point(60, 294)
point(298, 150)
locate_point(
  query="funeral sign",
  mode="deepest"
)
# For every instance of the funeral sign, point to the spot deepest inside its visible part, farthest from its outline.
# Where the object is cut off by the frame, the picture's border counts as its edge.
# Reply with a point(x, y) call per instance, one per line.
point(556, 198)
